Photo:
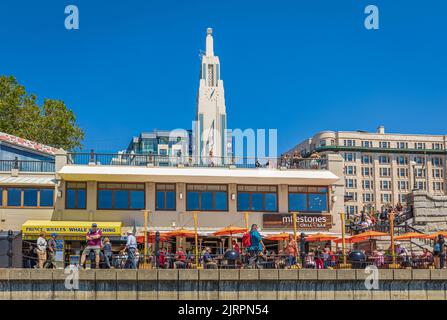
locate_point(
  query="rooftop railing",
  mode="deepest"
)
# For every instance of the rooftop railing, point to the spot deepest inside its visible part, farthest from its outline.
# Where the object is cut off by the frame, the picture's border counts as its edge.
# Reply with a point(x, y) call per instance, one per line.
point(148, 160)
point(27, 165)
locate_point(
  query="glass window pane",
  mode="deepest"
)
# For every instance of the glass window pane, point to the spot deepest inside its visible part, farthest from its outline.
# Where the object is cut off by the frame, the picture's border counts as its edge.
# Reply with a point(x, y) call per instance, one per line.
point(137, 199)
point(160, 200)
point(221, 201)
point(121, 199)
point(257, 200)
point(71, 199)
point(297, 202)
point(30, 198)
point(46, 197)
point(192, 200)
point(14, 195)
point(207, 201)
point(105, 199)
point(270, 202)
point(82, 199)
point(242, 201)
point(170, 200)
point(317, 202)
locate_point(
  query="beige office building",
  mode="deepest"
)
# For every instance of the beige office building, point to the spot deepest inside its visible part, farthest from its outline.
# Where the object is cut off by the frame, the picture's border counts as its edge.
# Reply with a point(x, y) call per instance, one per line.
point(382, 168)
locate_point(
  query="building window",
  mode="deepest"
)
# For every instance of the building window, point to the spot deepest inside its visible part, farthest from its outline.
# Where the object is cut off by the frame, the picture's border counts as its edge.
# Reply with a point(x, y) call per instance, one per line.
point(437, 146)
point(366, 171)
point(351, 183)
point(385, 185)
point(385, 172)
point(402, 172)
point(385, 198)
point(437, 173)
point(257, 198)
point(436, 162)
point(367, 144)
point(349, 157)
point(419, 145)
point(351, 170)
point(121, 196)
point(349, 143)
point(402, 145)
point(30, 197)
point(308, 199)
point(366, 159)
point(384, 144)
point(419, 160)
point(401, 160)
point(165, 196)
point(384, 159)
point(368, 197)
point(203, 197)
point(76, 195)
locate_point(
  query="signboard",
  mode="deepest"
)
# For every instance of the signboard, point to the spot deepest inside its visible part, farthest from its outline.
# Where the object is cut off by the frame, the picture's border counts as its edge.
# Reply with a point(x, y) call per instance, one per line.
point(318, 222)
point(69, 228)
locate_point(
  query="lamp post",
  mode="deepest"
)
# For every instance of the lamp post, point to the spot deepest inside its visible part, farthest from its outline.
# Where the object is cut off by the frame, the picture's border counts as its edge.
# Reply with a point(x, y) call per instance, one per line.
point(393, 252)
point(294, 225)
point(413, 166)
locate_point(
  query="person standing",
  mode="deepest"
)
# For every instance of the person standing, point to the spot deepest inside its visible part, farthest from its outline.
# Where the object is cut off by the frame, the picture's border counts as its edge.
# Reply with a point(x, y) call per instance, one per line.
point(51, 244)
point(292, 251)
point(41, 250)
point(107, 252)
point(93, 244)
point(131, 246)
point(256, 246)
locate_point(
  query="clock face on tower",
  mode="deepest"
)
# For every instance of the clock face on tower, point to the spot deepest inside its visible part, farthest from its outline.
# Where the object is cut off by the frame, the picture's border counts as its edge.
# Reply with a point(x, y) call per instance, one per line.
point(211, 94)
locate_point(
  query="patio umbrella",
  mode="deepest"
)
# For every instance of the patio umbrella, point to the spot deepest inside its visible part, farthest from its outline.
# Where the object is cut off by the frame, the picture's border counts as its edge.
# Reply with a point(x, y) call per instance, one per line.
point(278, 237)
point(435, 235)
point(369, 235)
point(151, 237)
point(229, 231)
point(318, 237)
point(181, 233)
point(349, 240)
point(409, 236)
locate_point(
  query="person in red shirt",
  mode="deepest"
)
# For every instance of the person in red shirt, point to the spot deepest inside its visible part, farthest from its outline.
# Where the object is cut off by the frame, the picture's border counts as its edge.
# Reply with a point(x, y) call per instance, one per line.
point(236, 247)
point(180, 259)
point(162, 261)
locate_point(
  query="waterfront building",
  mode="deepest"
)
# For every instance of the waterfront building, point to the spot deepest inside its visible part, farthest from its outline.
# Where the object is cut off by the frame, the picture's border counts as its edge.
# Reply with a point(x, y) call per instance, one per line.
point(27, 181)
point(383, 168)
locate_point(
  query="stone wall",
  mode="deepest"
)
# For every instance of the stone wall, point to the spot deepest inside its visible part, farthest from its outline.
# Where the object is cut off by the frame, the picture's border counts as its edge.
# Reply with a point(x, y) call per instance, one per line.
point(404, 284)
point(430, 212)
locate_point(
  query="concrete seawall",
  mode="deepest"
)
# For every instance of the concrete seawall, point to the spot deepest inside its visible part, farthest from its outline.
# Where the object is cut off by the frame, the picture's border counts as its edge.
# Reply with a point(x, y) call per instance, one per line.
point(305, 284)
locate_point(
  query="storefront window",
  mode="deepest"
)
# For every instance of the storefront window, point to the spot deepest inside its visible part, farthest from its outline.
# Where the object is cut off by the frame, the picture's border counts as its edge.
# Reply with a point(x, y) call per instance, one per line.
point(30, 197)
point(308, 199)
point(165, 196)
point(257, 198)
point(121, 196)
point(206, 197)
point(14, 197)
point(76, 195)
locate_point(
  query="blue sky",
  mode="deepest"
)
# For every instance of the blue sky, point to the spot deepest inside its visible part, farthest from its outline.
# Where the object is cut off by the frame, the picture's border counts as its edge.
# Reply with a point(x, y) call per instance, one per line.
point(298, 66)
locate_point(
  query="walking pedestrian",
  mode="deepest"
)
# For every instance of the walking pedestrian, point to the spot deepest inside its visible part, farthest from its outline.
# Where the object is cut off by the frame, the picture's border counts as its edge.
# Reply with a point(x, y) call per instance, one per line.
point(256, 246)
point(107, 252)
point(51, 246)
point(41, 250)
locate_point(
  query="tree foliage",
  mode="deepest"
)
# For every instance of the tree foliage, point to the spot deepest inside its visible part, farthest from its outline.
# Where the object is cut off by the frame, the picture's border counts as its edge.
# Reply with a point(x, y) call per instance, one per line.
point(52, 123)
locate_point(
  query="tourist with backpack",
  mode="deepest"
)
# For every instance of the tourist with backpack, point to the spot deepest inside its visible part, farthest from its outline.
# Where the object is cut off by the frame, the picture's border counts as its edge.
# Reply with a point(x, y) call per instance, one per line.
point(256, 246)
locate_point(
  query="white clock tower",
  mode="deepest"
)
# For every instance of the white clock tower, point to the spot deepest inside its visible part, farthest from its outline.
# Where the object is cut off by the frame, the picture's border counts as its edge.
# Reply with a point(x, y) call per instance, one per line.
point(210, 141)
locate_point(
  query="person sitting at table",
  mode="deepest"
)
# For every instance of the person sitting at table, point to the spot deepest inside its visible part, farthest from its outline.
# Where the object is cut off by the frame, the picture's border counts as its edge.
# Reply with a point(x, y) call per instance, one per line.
point(162, 260)
point(208, 261)
point(426, 258)
point(180, 259)
point(310, 259)
point(378, 258)
point(236, 247)
point(280, 260)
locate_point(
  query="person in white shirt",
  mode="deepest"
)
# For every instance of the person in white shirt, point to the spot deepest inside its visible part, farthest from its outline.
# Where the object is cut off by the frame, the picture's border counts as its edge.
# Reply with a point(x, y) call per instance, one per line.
point(41, 250)
point(131, 246)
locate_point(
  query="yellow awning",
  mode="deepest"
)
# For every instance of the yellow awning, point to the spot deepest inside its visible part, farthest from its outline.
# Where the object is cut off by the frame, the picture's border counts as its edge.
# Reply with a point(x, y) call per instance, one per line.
point(69, 228)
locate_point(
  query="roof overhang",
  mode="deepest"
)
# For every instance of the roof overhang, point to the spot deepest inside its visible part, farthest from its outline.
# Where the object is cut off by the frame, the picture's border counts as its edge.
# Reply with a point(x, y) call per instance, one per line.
point(28, 180)
point(196, 175)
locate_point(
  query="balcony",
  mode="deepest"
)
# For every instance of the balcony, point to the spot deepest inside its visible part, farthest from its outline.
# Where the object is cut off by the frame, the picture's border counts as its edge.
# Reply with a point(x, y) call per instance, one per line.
point(29, 166)
point(139, 160)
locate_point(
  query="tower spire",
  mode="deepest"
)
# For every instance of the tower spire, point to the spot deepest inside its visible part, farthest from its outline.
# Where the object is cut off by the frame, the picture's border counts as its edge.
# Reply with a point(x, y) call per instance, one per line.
point(209, 42)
